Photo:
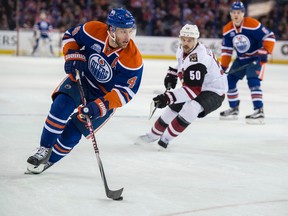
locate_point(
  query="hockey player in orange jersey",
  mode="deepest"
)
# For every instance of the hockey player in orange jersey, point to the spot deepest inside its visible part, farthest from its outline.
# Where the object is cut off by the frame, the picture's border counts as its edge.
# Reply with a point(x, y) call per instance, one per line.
point(253, 43)
point(111, 68)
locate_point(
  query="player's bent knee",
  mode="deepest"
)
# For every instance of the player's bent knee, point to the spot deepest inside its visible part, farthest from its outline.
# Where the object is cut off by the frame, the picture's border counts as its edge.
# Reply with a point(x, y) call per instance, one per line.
point(210, 101)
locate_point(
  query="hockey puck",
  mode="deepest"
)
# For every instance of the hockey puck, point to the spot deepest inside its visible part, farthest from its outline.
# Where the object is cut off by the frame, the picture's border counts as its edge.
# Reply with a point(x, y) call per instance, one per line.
point(119, 199)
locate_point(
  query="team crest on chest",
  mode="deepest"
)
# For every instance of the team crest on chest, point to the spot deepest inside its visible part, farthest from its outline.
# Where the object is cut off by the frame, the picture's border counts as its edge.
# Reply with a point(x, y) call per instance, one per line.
point(193, 57)
point(241, 43)
point(100, 68)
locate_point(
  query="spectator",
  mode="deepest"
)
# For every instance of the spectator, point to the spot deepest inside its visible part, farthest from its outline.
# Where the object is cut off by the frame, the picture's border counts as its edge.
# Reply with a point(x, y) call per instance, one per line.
point(208, 15)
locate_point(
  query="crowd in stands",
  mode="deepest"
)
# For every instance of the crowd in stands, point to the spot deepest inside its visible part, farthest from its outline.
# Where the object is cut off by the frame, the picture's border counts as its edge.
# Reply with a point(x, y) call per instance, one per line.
point(154, 17)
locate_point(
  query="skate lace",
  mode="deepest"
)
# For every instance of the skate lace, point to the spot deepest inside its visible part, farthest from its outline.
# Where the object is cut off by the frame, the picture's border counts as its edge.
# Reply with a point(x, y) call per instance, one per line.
point(258, 112)
point(41, 153)
point(230, 111)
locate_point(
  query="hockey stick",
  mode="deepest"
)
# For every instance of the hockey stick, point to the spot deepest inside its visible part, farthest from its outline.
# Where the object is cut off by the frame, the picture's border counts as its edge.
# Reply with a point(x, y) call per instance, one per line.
point(242, 67)
point(115, 195)
point(152, 111)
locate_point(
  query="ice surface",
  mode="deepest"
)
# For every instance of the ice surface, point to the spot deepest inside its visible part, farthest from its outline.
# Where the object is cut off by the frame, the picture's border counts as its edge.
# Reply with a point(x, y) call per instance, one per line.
point(219, 168)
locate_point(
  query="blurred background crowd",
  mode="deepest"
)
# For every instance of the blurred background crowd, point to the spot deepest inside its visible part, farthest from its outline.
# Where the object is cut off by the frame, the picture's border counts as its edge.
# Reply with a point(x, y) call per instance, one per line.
point(154, 17)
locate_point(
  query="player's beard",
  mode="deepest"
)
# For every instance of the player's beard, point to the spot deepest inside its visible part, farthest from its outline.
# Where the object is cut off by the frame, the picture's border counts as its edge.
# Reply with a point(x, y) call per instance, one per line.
point(186, 49)
point(122, 44)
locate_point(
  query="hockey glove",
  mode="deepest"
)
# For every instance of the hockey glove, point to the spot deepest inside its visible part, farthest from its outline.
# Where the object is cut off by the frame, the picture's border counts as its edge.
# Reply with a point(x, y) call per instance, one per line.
point(94, 109)
point(262, 55)
point(171, 78)
point(163, 100)
point(75, 60)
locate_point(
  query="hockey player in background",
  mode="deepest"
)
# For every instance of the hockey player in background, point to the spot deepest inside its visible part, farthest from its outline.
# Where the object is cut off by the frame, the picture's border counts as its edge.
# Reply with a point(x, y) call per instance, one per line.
point(42, 31)
point(203, 89)
point(252, 42)
point(111, 68)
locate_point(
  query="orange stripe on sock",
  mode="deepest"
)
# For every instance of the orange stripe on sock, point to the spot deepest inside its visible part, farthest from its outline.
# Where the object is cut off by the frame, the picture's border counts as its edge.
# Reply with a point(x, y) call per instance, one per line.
point(61, 149)
point(55, 124)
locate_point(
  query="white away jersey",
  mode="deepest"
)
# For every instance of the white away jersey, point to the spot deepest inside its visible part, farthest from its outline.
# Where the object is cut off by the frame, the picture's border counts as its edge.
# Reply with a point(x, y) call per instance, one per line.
point(199, 71)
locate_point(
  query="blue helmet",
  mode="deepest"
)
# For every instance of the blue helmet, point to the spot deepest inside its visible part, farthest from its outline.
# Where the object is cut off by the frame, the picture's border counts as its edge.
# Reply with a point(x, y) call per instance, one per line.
point(237, 5)
point(120, 18)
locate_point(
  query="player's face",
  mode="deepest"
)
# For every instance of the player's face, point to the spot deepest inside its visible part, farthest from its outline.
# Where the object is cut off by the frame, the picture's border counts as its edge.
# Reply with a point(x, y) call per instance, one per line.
point(237, 17)
point(123, 36)
point(187, 43)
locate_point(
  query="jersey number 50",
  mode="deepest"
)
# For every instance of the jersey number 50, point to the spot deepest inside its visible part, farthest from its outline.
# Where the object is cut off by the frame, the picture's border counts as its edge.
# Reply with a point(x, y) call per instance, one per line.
point(194, 74)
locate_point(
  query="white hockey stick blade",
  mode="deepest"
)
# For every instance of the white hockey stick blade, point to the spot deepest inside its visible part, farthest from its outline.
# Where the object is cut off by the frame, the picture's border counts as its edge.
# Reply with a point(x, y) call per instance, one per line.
point(152, 110)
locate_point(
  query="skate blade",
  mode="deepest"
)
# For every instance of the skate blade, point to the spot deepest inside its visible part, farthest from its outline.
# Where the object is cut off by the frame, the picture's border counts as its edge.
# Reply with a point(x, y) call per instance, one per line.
point(229, 118)
point(259, 121)
point(32, 169)
point(160, 148)
point(141, 141)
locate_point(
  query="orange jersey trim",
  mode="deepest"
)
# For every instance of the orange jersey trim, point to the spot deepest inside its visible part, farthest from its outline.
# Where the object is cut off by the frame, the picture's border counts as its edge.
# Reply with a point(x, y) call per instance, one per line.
point(98, 30)
point(130, 56)
point(248, 22)
point(225, 61)
point(92, 31)
point(269, 46)
point(113, 98)
point(70, 45)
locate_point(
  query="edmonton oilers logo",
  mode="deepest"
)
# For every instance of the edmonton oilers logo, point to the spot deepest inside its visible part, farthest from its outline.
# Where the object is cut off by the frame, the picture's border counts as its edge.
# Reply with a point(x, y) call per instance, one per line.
point(241, 43)
point(100, 68)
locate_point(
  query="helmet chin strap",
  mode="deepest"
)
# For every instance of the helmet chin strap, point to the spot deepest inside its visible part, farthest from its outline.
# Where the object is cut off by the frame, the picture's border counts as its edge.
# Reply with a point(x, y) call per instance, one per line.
point(113, 37)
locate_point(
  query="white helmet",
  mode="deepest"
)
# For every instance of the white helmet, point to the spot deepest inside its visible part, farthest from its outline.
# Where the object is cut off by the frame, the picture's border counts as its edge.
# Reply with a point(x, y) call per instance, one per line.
point(189, 31)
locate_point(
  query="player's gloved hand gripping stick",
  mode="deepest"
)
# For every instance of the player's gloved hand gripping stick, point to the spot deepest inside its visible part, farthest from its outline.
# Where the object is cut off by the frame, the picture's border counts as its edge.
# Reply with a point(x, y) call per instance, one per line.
point(115, 195)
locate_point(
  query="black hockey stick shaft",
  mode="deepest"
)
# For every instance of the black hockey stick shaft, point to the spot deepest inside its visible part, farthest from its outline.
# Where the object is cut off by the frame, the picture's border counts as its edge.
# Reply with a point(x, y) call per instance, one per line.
point(242, 67)
point(109, 193)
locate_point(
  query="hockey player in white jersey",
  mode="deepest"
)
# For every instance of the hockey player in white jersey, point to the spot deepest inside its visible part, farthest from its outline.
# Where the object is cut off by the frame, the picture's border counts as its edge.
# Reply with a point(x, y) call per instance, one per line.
point(204, 85)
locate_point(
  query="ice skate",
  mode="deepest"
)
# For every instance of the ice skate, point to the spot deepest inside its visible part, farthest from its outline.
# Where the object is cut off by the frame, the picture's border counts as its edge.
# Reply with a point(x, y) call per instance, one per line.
point(145, 139)
point(40, 157)
point(230, 114)
point(256, 118)
point(163, 143)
